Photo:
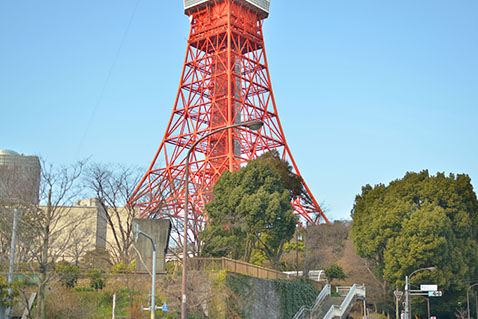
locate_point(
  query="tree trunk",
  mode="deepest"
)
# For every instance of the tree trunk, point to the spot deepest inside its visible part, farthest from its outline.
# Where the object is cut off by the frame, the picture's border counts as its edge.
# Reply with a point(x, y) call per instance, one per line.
point(306, 253)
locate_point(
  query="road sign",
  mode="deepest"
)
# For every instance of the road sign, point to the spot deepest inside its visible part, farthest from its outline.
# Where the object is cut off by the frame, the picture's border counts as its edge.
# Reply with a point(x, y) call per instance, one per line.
point(398, 294)
point(428, 287)
point(435, 293)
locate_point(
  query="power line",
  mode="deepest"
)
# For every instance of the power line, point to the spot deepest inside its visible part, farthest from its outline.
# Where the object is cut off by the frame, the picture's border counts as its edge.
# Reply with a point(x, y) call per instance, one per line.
point(108, 76)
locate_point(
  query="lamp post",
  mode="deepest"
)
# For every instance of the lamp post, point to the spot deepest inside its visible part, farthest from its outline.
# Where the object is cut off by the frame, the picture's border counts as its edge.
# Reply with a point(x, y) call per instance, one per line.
point(137, 232)
point(253, 125)
point(468, 299)
point(408, 304)
point(12, 259)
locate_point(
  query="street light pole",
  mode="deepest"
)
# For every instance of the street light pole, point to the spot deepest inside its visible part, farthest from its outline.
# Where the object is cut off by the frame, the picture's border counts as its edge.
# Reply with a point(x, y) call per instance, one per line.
point(253, 125)
point(468, 299)
point(152, 307)
point(408, 302)
point(12, 258)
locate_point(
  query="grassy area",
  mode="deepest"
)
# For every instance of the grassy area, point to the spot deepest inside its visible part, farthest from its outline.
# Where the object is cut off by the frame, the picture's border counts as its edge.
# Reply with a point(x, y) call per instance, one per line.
point(85, 302)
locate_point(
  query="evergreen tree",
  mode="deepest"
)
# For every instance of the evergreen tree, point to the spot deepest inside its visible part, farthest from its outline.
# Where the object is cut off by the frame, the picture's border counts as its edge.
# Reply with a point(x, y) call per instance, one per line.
point(251, 210)
point(416, 222)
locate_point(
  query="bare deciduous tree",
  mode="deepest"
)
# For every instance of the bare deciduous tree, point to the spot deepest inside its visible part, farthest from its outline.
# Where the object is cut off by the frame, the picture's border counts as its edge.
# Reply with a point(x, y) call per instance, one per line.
point(53, 224)
point(113, 185)
point(16, 191)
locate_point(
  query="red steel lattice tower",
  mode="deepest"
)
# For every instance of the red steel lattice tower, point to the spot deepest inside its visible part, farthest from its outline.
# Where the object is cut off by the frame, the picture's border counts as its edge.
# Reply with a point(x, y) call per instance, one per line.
point(225, 81)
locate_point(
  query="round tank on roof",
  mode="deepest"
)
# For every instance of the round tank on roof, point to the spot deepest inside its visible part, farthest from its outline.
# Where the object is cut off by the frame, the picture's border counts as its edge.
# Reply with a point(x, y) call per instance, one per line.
point(8, 152)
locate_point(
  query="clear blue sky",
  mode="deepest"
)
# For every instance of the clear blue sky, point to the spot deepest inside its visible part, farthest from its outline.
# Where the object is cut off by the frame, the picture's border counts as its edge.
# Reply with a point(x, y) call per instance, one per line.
point(366, 90)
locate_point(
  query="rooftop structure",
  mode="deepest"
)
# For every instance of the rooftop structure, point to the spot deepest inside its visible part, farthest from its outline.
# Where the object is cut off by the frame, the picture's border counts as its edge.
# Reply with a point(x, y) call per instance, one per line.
point(262, 6)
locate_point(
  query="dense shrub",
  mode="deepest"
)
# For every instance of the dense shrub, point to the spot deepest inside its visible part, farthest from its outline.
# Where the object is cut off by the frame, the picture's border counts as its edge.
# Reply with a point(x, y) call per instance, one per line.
point(97, 279)
point(123, 268)
point(69, 275)
point(335, 272)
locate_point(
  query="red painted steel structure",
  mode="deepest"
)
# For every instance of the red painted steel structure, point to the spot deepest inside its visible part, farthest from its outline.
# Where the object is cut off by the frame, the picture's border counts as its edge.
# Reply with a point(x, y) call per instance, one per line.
point(225, 80)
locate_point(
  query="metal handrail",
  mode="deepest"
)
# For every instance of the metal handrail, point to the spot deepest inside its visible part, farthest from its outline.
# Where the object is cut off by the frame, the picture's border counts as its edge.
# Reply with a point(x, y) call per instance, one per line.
point(332, 312)
point(355, 291)
point(300, 314)
point(321, 297)
point(318, 302)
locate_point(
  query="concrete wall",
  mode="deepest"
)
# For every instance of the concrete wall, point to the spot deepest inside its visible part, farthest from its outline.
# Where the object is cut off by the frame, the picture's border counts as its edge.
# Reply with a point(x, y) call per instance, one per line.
point(97, 219)
point(159, 230)
point(77, 231)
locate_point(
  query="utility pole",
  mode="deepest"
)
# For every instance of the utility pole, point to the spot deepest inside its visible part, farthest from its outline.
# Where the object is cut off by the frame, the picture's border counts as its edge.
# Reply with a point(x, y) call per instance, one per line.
point(12, 257)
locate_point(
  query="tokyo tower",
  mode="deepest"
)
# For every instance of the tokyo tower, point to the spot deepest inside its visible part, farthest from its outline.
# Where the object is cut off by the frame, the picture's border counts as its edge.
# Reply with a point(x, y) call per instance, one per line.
point(225, 81)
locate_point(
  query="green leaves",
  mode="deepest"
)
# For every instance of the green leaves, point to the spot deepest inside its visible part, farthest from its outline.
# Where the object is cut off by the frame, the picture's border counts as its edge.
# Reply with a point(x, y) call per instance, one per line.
point(416, 222)
point(251, 210)
point(335, 272)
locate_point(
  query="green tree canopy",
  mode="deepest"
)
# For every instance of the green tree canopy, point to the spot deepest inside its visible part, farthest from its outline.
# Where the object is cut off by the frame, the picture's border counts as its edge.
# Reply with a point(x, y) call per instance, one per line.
point(251, 210)
point(335, 272)
point(416, 222)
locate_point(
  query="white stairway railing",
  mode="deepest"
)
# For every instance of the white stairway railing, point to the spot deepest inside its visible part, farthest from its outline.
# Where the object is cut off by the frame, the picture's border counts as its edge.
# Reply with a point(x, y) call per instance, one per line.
point(356, 292)
point(318, 301)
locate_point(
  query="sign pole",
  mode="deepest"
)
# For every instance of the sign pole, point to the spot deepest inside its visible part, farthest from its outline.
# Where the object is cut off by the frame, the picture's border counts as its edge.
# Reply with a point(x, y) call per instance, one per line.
point(398, 296)
point(396, 308)
point(428, 307)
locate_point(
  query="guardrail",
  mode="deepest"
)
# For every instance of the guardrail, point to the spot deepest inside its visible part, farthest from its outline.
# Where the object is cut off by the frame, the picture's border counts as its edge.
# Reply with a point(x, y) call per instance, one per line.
point(356, 292)
point(237, 266)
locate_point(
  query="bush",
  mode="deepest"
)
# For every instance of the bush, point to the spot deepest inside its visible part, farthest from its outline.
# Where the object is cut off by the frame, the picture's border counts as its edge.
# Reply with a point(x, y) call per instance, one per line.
point(69, 275)
point(335, 272)
point(5, 298)
point(97, 279)
point(123, 268)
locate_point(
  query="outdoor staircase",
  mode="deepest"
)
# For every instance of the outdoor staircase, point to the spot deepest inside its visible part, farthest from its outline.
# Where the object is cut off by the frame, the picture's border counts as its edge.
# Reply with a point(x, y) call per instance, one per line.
point(327, 306)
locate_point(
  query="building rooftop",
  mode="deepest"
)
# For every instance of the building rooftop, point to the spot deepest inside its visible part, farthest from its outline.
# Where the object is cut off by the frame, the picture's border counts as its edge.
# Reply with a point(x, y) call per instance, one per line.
point(8, 152)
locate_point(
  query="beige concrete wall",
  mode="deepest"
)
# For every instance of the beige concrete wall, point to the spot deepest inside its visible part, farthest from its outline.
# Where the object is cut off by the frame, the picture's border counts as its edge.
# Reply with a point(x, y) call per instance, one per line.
point(74, 232)
point(85, 227)
point(159, 230)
